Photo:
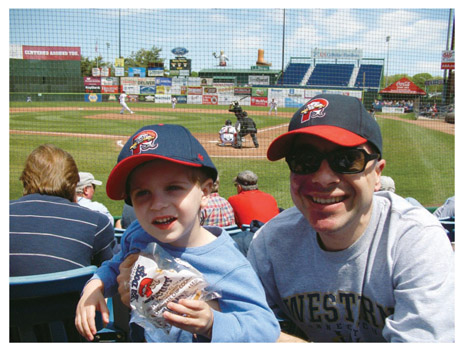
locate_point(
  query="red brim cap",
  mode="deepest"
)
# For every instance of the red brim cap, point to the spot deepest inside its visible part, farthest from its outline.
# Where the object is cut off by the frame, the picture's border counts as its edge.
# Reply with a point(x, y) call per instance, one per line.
point(117, 180)
point(281, 145)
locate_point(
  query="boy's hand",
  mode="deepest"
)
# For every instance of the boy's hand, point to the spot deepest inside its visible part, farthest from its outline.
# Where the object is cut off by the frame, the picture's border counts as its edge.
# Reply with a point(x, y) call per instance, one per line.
point(92, 300)
point(191, 315)
point(123, 278)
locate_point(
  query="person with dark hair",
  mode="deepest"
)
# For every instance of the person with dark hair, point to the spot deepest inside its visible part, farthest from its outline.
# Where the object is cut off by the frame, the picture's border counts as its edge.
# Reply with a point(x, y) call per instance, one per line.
point(49, 232)
point(349, 263)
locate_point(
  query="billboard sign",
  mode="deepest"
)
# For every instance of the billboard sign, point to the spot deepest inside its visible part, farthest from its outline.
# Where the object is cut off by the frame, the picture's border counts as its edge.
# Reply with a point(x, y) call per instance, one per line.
point(448, 60)
point(56, 53)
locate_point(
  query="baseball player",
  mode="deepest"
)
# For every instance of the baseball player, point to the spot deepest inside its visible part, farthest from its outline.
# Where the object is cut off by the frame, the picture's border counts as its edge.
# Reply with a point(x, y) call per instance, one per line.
point(273, 106)
point(244, 126)
point(173, 102)
point(122, 102)
point(227, 134)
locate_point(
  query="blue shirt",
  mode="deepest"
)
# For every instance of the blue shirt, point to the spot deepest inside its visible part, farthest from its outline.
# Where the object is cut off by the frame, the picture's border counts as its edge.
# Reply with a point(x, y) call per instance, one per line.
point(244, 316)
point(50, 234)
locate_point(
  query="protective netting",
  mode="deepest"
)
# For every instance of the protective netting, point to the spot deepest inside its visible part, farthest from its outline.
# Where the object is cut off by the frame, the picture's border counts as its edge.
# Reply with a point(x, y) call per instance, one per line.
point(68, 68)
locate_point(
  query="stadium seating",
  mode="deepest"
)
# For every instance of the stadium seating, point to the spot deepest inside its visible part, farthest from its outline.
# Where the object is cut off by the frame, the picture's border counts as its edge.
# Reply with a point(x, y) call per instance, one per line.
point(294, 73)
point(42, 307)
point(371, 74)
point(331, 75)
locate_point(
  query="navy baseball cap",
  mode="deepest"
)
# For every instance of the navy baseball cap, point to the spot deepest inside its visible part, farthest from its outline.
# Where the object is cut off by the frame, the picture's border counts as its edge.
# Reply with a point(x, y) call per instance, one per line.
point(174, 143)
point(340, 119)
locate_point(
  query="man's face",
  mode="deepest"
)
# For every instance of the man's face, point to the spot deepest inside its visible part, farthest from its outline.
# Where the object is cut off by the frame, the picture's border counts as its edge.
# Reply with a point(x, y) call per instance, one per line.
point(335, 204)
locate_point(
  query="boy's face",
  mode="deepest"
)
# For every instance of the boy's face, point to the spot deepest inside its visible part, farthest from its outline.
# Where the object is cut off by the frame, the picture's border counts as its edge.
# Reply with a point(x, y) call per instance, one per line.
point(167, 201)
point(335, 204)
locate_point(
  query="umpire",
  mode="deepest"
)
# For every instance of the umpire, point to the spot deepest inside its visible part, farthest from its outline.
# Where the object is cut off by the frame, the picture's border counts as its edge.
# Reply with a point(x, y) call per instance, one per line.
point(244, 126)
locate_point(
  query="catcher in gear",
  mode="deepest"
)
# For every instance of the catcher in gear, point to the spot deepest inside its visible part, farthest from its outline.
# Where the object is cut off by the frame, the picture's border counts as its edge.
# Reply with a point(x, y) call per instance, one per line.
point(244, 125)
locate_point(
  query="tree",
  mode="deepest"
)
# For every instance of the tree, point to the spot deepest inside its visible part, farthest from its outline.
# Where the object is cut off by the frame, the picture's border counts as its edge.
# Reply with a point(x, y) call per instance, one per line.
point(87, 64)
point(143, 57)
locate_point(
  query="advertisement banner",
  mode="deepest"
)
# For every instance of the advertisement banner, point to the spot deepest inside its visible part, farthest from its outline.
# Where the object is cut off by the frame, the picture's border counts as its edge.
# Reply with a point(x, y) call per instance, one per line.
point(194, 99)
point(210, 90)
point(109, 81)
point(105, 71)
point(181, 99)
point(206, 81)
point(259, 101)
point(210, 100)
point(259, 80)
point(95, 72)
point(137, 72)
point(163, 98)
point(93, 98)
point(110, 89)
point(163, 90)
point(448, 60)
point(346, 54)
point(57, 53)
point(155, 71)
point(148, 90)
point(194, 90)
point(119, 62)
point(163, 81)
point(92, 89)
point(130, 89)
point(243, 91)
point(92, 81)
point(259, 92)
point(119, 71)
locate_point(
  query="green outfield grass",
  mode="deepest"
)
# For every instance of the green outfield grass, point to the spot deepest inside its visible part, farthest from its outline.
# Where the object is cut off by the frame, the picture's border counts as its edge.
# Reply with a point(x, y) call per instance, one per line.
point(421, 161)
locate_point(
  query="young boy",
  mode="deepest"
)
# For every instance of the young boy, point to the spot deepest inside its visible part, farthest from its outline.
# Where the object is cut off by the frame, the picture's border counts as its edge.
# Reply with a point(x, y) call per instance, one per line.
point(166, 174)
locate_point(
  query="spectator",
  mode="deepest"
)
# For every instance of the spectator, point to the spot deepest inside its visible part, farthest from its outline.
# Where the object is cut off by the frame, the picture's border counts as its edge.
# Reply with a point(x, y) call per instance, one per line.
point(218, 211)
point(128, 216)
point(348, 263)
point(387, 184)
point(49, 232)
point(250, 203)
point(86, 190)
point(166, 174)
point(448, 209)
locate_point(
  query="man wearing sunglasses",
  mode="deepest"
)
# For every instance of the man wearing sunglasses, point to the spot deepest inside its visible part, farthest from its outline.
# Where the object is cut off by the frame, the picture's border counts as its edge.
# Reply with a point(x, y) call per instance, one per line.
point(348, 263)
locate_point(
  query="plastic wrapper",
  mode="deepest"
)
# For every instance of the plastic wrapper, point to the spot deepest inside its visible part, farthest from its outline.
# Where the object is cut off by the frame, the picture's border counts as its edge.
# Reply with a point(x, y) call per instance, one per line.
point(158, 278)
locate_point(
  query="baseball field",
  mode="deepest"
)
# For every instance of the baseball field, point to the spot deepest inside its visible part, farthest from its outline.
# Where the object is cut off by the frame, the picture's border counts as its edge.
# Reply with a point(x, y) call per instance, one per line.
point(419, 153)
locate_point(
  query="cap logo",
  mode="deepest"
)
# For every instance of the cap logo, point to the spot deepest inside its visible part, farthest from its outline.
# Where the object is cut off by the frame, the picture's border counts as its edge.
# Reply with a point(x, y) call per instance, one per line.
point(143, 141)
point(314, 109)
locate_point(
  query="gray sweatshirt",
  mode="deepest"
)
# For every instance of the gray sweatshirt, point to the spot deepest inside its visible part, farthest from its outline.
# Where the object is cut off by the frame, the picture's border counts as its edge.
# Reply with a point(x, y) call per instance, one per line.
point(395, 283)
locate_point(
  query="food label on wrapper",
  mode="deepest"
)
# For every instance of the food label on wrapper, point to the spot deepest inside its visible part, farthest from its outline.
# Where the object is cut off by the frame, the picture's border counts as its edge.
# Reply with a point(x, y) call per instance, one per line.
point(157, 279)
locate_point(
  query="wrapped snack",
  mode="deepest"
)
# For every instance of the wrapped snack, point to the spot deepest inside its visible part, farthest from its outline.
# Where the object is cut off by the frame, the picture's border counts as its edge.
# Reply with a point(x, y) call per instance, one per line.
point(156, 279)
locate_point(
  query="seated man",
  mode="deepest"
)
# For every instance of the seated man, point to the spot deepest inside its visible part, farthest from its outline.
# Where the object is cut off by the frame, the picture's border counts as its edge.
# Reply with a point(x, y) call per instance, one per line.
point(85, 191)
point(250, 203)
point(348, 263)
point(49, 232)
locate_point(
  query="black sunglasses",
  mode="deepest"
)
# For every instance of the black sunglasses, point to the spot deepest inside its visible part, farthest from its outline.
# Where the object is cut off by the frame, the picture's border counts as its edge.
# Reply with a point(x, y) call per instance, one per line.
point(342, 161)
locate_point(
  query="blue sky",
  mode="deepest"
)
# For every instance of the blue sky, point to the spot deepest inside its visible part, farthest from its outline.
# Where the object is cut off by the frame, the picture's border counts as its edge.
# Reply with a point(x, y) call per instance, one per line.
point(417, 36)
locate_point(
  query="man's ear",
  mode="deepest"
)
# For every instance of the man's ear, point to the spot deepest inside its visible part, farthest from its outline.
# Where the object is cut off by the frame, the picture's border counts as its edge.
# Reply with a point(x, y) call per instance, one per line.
point(378, 169)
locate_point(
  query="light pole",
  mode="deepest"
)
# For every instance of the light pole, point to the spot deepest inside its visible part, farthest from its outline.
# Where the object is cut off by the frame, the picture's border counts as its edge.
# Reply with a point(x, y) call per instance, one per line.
point(107, 52)
point(388, 54)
